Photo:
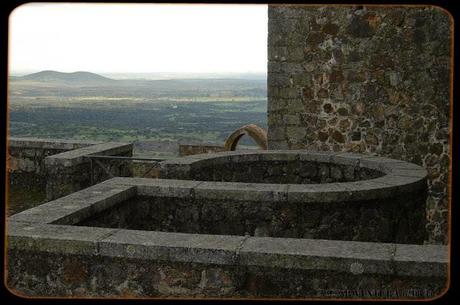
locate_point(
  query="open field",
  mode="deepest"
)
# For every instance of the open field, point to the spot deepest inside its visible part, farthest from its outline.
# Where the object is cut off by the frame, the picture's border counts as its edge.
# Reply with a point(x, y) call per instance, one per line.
point(195, 110)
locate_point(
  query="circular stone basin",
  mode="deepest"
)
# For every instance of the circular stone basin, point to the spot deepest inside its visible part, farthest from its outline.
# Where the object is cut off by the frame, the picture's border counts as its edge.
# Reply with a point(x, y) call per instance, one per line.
point(325, 195)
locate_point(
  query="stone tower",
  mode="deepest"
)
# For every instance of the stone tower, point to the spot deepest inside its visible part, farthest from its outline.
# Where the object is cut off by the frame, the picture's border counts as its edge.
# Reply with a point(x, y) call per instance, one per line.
point(366, 79)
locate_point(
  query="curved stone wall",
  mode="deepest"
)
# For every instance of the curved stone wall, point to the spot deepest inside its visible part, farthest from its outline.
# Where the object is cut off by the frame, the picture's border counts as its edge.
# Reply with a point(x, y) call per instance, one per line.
point(283, 168)
point(375, 199)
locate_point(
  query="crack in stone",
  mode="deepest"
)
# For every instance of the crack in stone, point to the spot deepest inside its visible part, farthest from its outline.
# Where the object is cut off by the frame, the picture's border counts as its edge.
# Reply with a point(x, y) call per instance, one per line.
point(286, 193)
point(192, 189)
point(236, 255)
point(392, 259)
point(200, 183)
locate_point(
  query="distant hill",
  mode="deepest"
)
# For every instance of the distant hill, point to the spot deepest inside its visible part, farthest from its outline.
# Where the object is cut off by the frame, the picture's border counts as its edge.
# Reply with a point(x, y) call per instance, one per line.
point(80, 78)
point(46, 83)
point(188, 75)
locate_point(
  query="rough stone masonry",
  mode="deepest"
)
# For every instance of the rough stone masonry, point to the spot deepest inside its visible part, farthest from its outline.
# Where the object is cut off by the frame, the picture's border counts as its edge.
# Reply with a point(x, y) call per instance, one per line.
point(367, 79)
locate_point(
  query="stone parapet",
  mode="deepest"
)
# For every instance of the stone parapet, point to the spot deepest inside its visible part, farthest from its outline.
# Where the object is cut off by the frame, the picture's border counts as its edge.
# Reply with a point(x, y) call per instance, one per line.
point(197, 264)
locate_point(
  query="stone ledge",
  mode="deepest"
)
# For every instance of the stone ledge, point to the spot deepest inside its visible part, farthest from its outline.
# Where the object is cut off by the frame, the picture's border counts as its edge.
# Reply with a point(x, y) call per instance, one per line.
point(73, 157)
point(378, 188)
point(187, 160)
point(324, 193)
point(285, 253)
point(403, 184)
point(157, 187)
point(241, 191)
point(178, 247)
point(73, 207)
point(412, 173)
point(347, 256)
point(341, 256)
point(49, 143)
point(421, 260)
point(55, 238)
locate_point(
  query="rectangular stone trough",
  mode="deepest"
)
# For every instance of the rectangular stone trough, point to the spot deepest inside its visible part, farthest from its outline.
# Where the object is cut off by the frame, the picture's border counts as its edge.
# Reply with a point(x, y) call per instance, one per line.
point(142, 238)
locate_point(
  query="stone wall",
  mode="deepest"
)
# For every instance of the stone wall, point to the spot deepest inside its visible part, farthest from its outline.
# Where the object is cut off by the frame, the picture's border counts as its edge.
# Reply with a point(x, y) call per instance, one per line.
point(48, 255)
point(285, 172)
point(394, 219)
point(27, 155)
point(193, 149)
point(72, 171)
point(372, 79)
point(317, 198)
point(40, 170)
point(121, 276)
point(26, 168)
point(145, 169)
point(150, 169)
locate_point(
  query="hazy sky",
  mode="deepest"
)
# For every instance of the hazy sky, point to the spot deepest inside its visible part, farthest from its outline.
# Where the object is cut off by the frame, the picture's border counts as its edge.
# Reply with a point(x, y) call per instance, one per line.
point(138, 38)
